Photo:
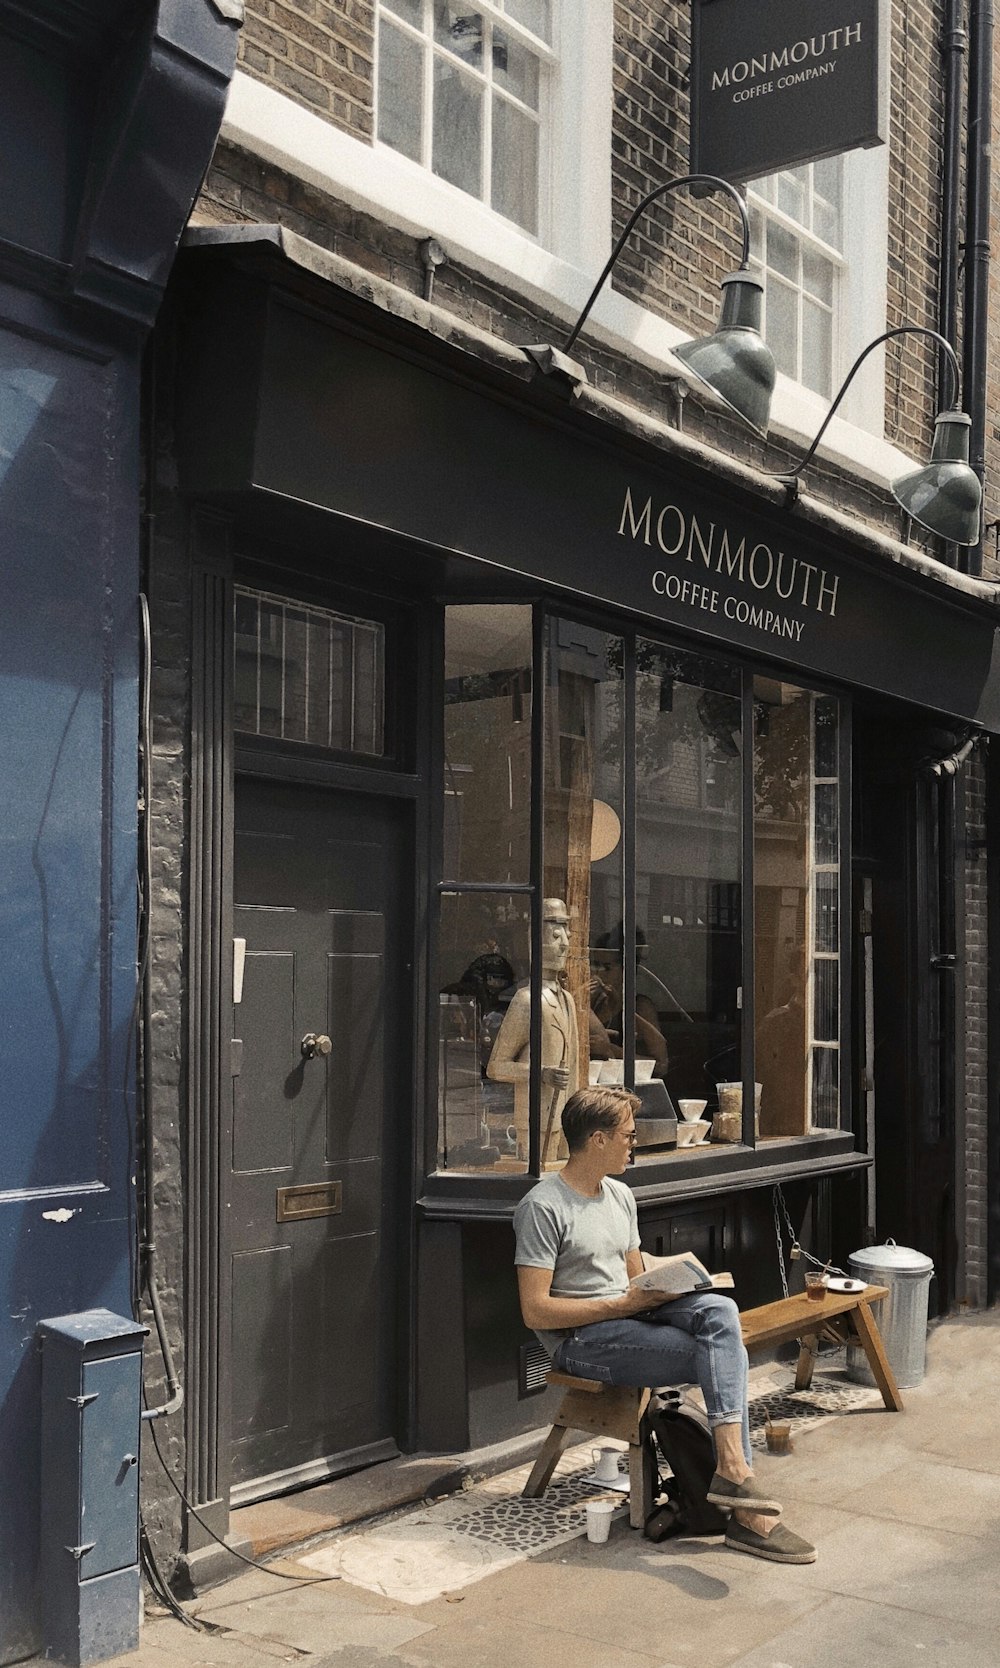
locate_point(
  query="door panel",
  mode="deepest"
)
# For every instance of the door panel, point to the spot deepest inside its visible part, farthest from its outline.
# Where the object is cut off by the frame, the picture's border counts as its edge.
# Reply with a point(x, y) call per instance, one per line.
point(317, 887)
point(262, 1316)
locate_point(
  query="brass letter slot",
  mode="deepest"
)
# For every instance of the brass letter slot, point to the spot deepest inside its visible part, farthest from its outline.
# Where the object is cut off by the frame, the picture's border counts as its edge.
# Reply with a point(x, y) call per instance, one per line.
point(315, 1199)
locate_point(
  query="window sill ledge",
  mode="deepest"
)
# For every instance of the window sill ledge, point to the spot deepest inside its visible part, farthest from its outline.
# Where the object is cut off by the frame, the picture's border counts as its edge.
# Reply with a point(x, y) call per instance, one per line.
point(463, 1198)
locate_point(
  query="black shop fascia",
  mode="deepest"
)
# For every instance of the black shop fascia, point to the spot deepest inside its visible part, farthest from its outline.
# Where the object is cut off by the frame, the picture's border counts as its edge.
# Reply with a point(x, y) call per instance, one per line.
point(460, 452)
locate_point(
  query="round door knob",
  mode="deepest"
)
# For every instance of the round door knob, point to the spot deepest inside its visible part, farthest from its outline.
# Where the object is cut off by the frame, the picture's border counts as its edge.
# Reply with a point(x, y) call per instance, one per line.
point(314, 1043)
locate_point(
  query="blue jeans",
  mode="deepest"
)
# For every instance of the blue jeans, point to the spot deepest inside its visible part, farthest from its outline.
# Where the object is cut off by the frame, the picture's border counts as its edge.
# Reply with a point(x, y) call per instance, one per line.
point(695, 1338)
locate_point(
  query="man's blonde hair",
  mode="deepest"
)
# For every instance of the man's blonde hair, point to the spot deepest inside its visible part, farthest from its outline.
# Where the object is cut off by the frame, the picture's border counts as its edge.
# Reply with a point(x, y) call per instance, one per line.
point(594, 1108)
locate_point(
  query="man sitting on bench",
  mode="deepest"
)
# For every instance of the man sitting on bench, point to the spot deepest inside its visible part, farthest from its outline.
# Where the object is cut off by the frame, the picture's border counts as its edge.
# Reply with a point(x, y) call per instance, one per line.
point(577, 1238)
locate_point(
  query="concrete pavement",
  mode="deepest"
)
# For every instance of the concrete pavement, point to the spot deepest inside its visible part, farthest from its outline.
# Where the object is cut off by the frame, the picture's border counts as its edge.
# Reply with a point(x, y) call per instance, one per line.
point(904, 1510)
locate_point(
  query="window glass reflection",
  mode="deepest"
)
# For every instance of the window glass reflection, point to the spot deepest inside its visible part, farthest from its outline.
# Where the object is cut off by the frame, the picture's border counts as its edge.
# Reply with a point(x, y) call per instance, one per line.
point(584, 854)
point(487, 744)
point(689, 750)
point(796, 908)
point(483, 952)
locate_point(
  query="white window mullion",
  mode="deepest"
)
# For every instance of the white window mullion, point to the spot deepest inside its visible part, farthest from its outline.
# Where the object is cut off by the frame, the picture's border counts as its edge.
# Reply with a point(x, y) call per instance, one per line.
point(427, 122)
point(486, 138)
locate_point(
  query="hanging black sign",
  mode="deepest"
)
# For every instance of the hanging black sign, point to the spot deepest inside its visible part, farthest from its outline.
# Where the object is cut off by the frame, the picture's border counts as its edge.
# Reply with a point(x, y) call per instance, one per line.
point(778, 82)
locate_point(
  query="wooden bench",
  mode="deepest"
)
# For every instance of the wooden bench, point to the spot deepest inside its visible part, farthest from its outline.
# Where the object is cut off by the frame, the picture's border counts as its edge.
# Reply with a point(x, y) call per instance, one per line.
point(619, 1411)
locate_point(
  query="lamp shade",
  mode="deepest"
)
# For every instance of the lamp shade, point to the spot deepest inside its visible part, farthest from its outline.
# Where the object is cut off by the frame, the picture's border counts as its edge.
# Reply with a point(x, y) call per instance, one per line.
point(945, 496)
point(735, 360)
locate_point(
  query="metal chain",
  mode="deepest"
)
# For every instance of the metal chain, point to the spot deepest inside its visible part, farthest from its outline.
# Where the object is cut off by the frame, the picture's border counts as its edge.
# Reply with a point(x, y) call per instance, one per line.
point(796, 1251)
point(777, 1236)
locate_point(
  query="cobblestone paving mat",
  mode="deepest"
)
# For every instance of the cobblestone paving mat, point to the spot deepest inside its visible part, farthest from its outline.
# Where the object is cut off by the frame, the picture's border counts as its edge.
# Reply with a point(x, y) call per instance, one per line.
point(455, 1542)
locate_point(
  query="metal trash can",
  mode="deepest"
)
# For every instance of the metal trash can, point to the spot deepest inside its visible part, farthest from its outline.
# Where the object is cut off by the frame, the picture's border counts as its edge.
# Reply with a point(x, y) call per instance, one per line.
point(901, 1317)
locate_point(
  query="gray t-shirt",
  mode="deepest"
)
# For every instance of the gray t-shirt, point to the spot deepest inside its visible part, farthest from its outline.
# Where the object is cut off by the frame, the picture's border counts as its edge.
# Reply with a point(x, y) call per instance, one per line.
point(583, 1241)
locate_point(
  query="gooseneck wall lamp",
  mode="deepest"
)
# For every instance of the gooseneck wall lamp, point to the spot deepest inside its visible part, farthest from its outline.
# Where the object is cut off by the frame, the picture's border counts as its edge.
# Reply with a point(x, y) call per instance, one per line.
point(734, 361)
point(945, 496)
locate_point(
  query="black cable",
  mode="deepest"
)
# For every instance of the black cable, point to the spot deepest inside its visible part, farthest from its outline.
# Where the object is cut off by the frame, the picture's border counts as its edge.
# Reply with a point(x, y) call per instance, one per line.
point(159, 1588)
point(300, 1580)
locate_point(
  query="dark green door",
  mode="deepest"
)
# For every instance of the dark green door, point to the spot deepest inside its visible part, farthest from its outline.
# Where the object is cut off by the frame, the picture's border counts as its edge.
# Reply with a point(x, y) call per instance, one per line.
point(317, 885)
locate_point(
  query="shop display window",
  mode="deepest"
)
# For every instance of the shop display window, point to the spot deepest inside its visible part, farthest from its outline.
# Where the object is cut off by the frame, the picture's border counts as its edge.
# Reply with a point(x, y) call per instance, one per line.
point(484, 927)
point(487, 745)
point(688, 879)
point(658, 808)
point(796, 908)
point(484, 957)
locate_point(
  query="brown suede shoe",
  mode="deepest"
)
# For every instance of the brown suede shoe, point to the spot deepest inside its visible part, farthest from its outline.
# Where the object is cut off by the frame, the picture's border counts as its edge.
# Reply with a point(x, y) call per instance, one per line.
point(780, 1546)
point(746, 1495)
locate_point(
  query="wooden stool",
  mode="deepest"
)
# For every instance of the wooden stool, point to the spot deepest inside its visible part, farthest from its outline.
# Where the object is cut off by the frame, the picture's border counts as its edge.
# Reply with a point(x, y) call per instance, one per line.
point(602, 1410)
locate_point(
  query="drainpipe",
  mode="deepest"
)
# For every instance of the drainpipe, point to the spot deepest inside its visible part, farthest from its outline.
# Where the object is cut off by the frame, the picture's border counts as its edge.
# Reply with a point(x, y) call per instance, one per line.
point(954, 43)
point(977, 240)
point(993, 1030)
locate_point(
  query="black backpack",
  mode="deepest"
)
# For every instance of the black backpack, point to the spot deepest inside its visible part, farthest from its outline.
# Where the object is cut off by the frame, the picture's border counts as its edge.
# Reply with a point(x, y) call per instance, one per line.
point(685, 1443)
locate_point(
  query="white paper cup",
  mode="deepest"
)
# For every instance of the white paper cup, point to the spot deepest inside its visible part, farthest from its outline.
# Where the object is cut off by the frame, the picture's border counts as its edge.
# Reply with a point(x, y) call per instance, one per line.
point(599, 1520)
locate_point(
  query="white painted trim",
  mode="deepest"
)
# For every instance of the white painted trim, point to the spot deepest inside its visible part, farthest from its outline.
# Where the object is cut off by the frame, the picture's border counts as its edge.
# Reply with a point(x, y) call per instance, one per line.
point(376, 180)
point(865, 300)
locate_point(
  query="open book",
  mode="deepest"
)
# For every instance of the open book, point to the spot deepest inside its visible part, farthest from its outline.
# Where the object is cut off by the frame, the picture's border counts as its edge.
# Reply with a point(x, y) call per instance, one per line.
point(673, 1276)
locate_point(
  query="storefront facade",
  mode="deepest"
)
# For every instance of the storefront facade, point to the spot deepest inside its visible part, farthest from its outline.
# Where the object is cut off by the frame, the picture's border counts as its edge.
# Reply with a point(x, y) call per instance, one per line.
point(470, 656)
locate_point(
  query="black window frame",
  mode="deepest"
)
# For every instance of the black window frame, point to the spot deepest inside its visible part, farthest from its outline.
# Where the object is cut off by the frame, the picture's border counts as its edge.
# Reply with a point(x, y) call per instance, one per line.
point(461, 1193)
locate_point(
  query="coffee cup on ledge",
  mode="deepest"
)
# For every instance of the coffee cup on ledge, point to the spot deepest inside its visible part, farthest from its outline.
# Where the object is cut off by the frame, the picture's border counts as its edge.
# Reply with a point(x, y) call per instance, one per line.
point(816, 1285)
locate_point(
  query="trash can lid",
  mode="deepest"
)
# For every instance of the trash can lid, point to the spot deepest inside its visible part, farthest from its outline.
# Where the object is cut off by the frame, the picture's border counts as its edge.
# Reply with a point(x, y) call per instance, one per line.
point(892, 1258)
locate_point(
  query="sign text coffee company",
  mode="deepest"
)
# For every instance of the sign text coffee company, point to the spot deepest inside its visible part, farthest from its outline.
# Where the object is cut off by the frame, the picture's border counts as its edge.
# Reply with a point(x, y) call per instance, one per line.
point(779, 82)
point(713, 568)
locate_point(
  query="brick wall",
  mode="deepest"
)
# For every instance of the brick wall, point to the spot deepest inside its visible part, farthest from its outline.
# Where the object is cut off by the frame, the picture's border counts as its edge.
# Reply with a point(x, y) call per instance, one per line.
point(168, 588)
point(916, 116)
point(319, 52)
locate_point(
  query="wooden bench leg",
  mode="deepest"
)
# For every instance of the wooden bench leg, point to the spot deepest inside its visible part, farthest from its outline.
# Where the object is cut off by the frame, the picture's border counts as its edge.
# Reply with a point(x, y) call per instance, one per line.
point(871, 1341)
point(808, 1348)
point(545, 1464)
point(641, 1477)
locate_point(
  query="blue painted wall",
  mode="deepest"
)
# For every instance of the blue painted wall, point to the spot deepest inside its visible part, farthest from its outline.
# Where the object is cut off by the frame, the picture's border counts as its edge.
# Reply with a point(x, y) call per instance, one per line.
point(68, 724)
point(108, 115)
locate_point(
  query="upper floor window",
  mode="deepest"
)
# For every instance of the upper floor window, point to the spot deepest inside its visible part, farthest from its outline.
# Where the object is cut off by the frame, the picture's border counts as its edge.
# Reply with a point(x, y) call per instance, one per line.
point(464, 93)
point(798, 248)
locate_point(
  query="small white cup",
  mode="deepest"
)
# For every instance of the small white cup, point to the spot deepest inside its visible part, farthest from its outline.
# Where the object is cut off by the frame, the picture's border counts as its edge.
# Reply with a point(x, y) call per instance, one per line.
point(606, 1464)
point(691, 1109)
point(599, 1520)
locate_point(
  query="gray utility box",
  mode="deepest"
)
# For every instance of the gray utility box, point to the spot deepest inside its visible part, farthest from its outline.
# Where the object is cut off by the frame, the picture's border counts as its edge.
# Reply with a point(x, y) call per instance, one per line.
point(91, 1414)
